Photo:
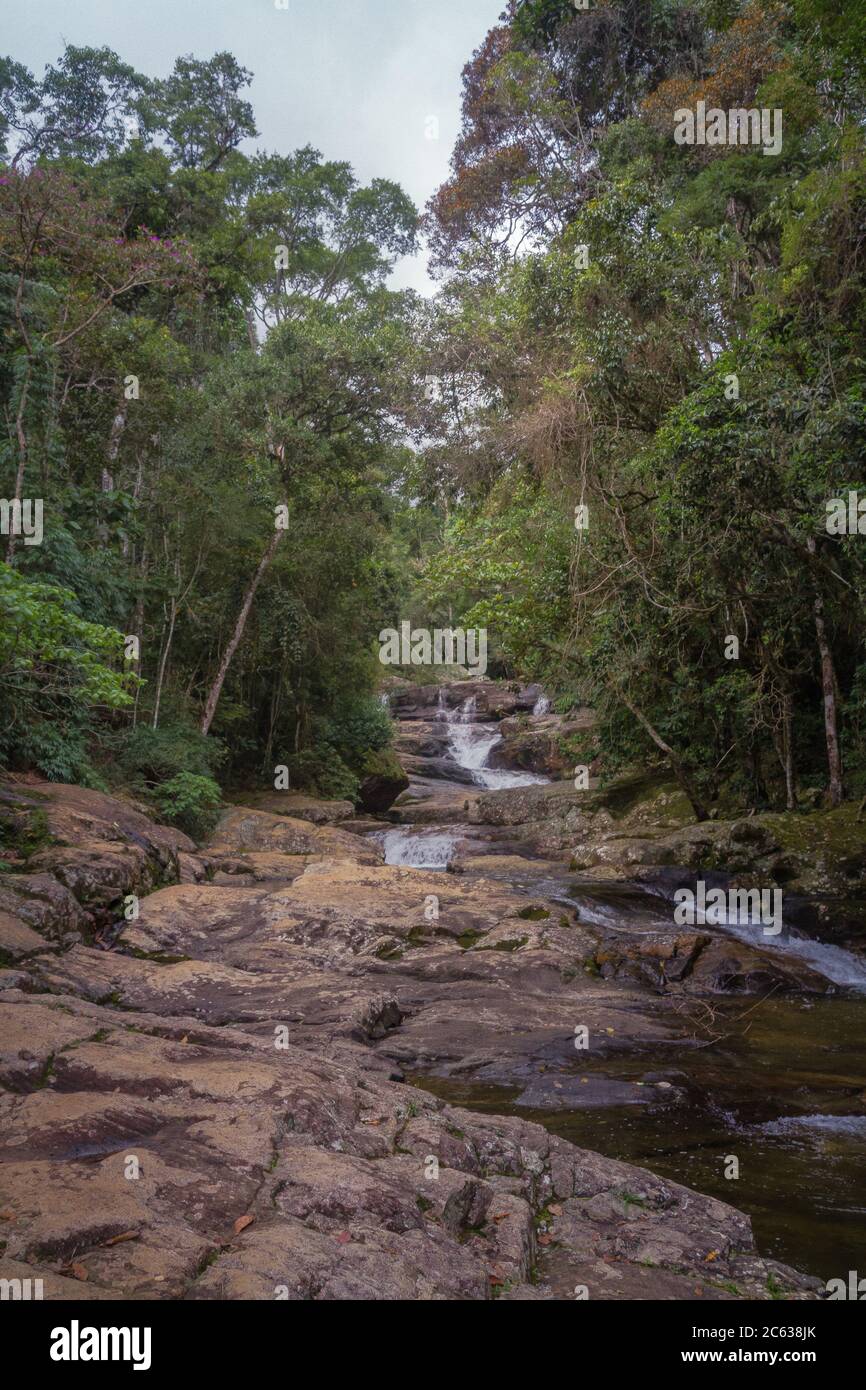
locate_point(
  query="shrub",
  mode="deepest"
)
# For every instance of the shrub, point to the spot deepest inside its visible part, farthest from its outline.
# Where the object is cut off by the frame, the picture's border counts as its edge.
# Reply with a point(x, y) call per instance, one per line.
point(322, 771)
point(56, 671)
point(356, 729)
point(146, 757)
point(190, 802)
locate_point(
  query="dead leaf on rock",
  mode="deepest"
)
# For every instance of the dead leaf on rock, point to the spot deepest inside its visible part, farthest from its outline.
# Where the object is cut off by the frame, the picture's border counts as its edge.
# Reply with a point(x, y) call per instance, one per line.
point(124, 1235)
point(79, 1272)
point(343, 1237)
point(242, 1223)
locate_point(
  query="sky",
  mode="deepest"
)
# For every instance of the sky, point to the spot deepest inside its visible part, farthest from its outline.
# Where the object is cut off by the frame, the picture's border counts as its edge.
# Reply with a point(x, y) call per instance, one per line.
point(375, 82)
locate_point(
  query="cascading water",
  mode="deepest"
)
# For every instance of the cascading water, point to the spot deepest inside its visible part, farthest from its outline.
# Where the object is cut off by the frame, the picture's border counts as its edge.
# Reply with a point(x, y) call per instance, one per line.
point(819, 1149)
point(417, 849)
point(836, 964)
point(628, 908)
point(470, 744)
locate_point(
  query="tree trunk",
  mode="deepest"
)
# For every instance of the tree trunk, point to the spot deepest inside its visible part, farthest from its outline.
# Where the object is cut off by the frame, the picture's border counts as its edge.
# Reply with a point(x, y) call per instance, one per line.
point(829, 687)
point(701, 812)
point(163, 662)
point(118, 425)
point(788, 750)
point(216, 689)
point(22, 461)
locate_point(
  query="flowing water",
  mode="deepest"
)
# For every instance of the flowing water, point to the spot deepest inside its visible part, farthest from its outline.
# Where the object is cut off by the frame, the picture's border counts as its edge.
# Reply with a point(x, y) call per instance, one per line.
point(783, 1091)
point(417, 849)
point(470, 744)
point(782, 1095)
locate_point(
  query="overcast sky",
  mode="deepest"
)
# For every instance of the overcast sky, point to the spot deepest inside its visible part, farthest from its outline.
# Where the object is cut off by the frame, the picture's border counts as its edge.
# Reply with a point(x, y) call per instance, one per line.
point(361, 80)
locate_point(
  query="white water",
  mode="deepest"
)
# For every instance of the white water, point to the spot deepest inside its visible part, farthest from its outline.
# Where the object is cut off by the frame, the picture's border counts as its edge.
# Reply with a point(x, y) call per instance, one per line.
point(416, 849)
point(839, 966)
point(470, 745)
point(541, 706)
point(620, 908)
point(852, 1125)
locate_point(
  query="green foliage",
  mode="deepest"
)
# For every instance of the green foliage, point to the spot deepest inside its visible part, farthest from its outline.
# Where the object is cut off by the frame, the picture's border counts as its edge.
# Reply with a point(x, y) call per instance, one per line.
point(356, 727)
point(145, 756)
point(138, 247)
point(342, 745)
point(322, 771)
point(56, 671)
point(190, 802)
point(697, 383)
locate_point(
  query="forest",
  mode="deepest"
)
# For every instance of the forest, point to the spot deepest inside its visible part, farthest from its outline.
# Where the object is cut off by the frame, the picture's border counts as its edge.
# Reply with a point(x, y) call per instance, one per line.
point(625, 436)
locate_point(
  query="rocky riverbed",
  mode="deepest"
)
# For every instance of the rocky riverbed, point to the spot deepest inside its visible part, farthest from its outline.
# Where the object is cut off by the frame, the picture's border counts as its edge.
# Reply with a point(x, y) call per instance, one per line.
point(296, 1069)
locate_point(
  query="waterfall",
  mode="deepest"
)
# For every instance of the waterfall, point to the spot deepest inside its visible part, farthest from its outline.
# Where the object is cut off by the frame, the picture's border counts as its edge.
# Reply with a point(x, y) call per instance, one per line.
point(470, 744)
point(417, 849)
point(541, 706)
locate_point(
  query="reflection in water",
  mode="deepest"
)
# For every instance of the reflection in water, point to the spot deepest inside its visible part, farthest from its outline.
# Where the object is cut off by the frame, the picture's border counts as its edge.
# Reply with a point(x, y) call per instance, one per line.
point(801, 1175)
point(782, 1089)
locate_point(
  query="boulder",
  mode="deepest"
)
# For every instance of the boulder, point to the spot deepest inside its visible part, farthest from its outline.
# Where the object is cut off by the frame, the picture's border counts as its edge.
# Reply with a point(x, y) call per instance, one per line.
point(382, 781)
point(298, 805)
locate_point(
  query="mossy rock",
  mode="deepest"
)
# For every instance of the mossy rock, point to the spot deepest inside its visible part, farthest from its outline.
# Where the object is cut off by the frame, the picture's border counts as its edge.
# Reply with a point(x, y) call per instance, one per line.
point(382, 780)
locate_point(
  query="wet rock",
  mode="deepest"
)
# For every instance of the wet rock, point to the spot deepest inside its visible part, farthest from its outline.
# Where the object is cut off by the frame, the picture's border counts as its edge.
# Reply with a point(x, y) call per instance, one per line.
point(299, 806)
point(382, 781)
point(541, 743)
point(42, 902)
point(246, 830)
point(205, 1110)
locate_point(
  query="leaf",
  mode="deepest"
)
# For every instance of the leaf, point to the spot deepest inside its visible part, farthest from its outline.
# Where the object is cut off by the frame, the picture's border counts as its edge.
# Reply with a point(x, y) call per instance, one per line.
point(124, 1235)
point(343, 1238)
point(555, 1209)
point(79, 1271)
point(242, 1223)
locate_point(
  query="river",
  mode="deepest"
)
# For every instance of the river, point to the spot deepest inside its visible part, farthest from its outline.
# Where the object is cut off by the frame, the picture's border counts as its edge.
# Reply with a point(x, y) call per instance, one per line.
point(783, 1092)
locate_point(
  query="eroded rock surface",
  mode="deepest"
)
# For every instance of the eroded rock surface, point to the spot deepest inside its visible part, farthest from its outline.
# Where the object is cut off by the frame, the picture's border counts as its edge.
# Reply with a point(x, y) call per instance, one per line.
point(210, 1104)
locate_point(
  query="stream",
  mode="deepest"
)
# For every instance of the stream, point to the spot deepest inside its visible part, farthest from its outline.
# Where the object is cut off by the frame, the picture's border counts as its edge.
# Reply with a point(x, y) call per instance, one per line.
point(784, 1094)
